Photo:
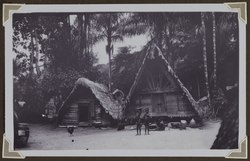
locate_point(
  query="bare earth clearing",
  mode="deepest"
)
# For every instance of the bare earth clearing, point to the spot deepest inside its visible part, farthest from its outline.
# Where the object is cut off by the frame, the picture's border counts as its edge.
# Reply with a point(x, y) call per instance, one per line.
point(47, 137)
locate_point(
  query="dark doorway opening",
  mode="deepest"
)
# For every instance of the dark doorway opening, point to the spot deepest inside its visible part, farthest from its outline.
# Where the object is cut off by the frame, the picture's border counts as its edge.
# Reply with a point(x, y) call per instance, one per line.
point(83, 112)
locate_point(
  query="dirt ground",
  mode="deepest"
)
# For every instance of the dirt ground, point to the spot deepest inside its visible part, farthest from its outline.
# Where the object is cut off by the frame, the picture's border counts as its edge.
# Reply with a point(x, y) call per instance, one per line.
point(47, 137)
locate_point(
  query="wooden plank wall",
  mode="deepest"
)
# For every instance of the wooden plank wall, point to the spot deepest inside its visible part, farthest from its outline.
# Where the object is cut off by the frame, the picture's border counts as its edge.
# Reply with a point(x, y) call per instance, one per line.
point(71, 115)
point(170, 103)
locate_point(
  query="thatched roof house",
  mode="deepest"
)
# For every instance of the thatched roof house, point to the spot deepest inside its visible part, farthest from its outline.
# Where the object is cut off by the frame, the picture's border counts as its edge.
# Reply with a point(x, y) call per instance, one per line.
point(87, 102)
point(157, 87)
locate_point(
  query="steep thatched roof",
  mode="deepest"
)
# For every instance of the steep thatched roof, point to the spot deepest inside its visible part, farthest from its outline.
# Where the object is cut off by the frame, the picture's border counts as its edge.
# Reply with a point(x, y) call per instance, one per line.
point(151, 51)
point(101, 93)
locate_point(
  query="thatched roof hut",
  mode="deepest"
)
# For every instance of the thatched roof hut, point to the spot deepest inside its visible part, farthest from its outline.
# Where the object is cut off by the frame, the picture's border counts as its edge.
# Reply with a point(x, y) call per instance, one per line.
point(92, 94)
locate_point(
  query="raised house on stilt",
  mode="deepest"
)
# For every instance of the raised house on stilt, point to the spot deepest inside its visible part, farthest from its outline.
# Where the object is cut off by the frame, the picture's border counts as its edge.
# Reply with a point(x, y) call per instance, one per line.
point(156, 87)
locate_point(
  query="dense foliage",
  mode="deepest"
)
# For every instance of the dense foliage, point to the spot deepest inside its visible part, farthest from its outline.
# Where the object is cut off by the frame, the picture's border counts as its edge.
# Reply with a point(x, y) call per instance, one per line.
point(46, 63)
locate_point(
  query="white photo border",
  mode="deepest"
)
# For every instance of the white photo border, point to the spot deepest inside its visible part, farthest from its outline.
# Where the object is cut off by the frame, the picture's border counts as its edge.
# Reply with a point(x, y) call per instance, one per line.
point(123, 8)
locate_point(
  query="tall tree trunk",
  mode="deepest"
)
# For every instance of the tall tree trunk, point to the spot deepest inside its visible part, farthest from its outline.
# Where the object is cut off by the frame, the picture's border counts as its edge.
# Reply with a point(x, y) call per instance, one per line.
point(32, 53)
point(38, 72)
point(159, 29)
point(108, 48)
point(46, 54)
point(214, 76)
point(88, 37)
point(80, 26)
point(205, 58)
point(214, 54)
point(81, 40)
point(85, 32)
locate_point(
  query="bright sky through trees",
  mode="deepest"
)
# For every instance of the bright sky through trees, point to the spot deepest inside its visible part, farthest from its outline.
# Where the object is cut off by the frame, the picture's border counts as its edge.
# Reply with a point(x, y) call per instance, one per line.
point(136, 42)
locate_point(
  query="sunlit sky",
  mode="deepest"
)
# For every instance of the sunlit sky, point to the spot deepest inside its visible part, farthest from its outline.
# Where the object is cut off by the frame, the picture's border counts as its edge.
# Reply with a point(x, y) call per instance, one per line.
point(136, 42)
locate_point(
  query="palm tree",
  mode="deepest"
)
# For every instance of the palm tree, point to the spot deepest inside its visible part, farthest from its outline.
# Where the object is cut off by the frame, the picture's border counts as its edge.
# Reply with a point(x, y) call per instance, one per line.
point(170, 31)
point(214, 91)
point(214, 51)
point(153, 24)
point(109, 28)
point(205, 56)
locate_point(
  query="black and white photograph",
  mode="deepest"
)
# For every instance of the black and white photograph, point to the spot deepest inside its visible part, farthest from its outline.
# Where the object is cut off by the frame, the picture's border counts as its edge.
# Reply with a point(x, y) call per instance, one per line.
point(162, 80)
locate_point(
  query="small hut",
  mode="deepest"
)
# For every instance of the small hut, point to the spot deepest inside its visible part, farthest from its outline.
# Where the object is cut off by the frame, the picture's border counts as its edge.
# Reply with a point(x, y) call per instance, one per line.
point(157, 88)
point(88, 103)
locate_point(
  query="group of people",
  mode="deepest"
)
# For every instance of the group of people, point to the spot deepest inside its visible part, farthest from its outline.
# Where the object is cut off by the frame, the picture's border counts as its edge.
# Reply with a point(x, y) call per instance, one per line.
point(142, 120)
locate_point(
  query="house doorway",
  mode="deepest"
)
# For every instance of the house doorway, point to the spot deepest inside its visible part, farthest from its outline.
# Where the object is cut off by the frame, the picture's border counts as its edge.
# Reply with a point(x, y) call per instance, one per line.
point(158, 103)
point(83, 112)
